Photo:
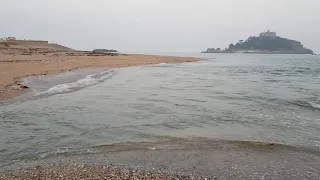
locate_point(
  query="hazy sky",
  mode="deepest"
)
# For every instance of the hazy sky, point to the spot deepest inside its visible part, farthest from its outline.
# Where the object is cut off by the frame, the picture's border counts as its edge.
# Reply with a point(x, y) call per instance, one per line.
point(159, 25)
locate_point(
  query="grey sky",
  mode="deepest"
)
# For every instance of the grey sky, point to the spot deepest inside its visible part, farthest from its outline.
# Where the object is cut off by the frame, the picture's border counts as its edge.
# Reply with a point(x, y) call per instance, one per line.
point(159, 25)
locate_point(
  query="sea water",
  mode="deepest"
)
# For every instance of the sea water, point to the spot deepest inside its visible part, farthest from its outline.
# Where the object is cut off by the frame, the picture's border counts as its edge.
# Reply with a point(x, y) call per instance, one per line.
point(224, 97)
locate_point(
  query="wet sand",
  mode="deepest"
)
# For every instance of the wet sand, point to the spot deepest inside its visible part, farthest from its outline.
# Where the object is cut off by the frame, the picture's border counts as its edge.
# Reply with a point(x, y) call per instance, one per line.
point(15, 66)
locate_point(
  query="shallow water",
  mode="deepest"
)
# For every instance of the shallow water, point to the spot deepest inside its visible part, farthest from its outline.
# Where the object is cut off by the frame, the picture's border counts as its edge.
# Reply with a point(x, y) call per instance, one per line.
point(238, 97)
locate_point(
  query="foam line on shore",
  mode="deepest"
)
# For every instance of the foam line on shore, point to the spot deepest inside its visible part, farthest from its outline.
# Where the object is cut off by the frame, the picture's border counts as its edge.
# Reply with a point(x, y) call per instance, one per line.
point(89, 80)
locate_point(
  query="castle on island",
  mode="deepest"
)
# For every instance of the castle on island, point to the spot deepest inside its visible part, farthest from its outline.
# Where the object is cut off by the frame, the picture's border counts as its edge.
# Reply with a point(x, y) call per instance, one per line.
point(268, 34)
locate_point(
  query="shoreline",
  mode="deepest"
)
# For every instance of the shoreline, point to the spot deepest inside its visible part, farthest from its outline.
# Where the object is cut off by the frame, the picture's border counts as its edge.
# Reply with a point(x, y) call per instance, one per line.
point(179, 158)
point(16, 67)
point(90, 171)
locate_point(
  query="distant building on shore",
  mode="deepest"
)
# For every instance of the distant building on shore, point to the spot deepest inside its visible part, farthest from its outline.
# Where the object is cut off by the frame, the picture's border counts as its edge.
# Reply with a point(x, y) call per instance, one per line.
point(268, 34)
point(10, 39)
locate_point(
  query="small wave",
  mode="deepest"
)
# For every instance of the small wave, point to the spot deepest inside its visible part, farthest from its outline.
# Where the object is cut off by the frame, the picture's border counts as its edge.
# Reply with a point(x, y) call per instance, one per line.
point(306, 104)
point(64, 151)
point(171, 143)
point(61, 150)
point(315, 105)
point(80, 84)
point(164, 64)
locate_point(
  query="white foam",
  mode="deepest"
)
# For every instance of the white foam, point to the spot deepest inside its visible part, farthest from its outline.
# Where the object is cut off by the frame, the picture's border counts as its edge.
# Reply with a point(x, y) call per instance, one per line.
point(87, 81)
point(164, 64)
point(315, 105)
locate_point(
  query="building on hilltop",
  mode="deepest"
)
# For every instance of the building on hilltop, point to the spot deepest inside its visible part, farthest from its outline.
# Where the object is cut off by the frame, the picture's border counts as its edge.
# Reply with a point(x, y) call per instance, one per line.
point(268, 34)
point(11, 39)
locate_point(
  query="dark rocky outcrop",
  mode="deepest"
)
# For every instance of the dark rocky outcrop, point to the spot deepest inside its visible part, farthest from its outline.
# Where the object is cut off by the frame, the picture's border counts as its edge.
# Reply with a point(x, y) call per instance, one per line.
point(104, 51)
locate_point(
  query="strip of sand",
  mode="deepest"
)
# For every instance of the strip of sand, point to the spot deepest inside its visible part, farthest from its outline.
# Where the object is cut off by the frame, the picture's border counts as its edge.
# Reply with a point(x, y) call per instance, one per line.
point(14, 66)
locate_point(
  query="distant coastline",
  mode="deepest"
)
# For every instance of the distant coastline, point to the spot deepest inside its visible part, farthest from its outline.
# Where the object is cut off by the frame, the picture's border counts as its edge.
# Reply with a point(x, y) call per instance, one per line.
point(266, 43)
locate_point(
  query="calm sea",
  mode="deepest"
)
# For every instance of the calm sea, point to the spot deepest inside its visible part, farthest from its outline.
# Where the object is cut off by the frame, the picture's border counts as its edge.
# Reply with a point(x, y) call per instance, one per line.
point(225, 97)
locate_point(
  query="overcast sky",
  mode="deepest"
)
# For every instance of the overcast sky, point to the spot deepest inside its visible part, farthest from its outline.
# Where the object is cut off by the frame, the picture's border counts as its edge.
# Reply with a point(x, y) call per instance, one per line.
point(159, 25)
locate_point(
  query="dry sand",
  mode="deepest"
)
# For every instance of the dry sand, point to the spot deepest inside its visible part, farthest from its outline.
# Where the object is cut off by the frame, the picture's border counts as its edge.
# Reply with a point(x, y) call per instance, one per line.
point(16, 64)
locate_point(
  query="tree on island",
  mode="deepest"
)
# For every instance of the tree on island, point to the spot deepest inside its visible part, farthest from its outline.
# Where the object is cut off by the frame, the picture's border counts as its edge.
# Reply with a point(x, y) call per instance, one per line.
point(231, 46)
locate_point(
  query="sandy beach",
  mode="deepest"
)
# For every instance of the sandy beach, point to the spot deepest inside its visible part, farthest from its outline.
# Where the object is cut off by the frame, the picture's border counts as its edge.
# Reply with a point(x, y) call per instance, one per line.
point(15, 64)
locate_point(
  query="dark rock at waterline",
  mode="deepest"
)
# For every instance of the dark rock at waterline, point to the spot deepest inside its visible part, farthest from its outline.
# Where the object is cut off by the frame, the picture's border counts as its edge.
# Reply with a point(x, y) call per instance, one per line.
point(24, 87)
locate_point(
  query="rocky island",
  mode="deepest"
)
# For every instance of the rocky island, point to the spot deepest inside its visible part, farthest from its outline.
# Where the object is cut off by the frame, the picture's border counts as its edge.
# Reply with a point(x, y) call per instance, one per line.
point(212, 50)
point(266, 43)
